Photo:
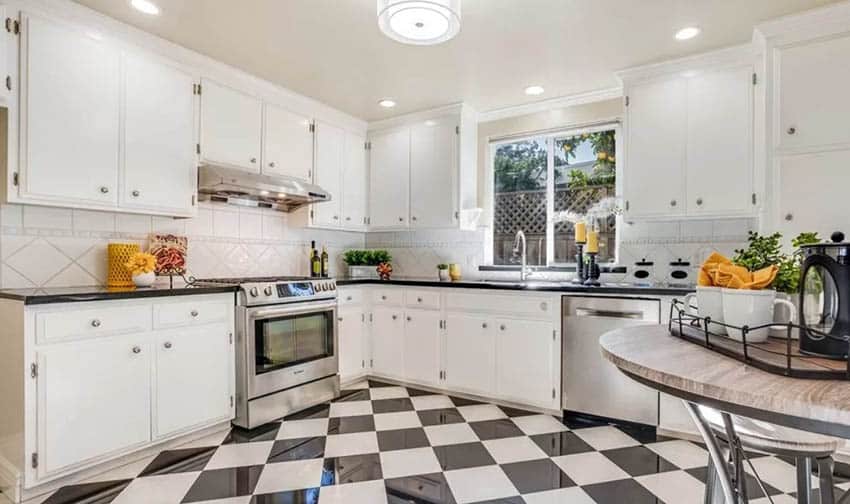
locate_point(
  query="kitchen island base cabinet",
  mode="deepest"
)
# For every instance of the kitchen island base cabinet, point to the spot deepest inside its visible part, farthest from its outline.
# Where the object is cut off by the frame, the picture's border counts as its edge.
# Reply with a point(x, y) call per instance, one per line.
point(525, 354)
point(470, 354)
point(422, 346)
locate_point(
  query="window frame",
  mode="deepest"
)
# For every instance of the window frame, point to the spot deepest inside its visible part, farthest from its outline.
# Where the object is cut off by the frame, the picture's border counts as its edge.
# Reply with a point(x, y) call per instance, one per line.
point(550, 136)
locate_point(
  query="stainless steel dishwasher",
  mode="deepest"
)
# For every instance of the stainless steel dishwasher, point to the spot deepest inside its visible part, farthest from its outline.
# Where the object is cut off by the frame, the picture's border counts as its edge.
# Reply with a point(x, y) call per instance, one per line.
point(590, 383)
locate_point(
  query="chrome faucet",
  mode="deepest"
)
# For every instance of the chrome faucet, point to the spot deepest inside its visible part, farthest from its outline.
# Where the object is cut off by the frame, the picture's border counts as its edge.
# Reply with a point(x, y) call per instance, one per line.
point(520, 238)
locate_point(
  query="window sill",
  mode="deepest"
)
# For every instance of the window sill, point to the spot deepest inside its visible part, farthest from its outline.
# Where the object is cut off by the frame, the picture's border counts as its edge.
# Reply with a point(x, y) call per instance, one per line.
point(604, 268)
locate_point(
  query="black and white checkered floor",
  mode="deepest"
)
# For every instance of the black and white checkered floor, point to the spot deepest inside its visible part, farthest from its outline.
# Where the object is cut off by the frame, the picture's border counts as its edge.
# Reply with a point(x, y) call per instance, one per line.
point(385, 444)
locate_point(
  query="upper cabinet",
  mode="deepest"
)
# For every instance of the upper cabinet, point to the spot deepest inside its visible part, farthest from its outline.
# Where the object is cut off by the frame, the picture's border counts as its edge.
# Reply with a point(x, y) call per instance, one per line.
point(689, 138)
point(433, 166)
point(287, 143)
point(355, 177)
point(231, 127)
point(389, 178)
point(330, 145)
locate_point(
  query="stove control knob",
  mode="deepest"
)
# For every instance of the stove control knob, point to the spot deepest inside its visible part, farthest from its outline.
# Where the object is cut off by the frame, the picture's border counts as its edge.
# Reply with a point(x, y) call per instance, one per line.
point(254, 292)
point(268, 290)
point(322, 287)
point(333, 286)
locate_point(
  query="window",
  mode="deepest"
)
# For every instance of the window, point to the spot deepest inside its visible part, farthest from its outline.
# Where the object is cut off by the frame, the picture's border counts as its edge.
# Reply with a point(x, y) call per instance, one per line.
point(536, 178)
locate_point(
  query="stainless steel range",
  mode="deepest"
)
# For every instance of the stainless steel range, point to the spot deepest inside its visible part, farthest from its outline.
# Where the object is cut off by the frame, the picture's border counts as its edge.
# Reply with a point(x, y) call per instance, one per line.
point(287, 346)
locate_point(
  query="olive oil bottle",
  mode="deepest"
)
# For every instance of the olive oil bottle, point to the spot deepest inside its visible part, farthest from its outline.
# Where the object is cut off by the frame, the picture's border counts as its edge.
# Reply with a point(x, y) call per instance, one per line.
point(325, 260)
point(315, 261)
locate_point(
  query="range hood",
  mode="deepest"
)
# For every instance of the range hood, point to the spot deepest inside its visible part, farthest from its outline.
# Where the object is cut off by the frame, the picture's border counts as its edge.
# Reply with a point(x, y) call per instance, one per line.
point(236, 187)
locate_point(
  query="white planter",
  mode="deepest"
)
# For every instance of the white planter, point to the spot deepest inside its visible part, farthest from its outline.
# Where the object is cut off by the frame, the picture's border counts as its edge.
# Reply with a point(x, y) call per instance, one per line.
point(144, 279)
point(443, 275)
point(751, 308)
point(362, 272)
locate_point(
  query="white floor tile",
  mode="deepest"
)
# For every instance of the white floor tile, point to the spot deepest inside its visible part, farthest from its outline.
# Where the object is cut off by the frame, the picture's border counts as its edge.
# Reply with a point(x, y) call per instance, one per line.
point(367, 492)
point(294, 429)
point(589, 468)
point(777, 473)
point(240, 454)
point(777, 499)
point(683, 454)
point(480, 484)
point(574, 495)
point(515, 449)
point(400, 463)
point(387, 393)
point(674, 486)
point(165, 488)
point(245, 499)
point(481, 412)
point(605, 438)
point(539, 424)
point(429, 402)
point(294, 475)
point(400, 420)
point(439, 435)
point(351, 408)
point(351, 444)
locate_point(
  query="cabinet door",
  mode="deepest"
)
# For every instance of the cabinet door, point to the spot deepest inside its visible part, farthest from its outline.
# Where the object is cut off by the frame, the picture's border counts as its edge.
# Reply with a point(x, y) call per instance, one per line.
point(388, 342)
point(655, 148)
point(470, 354)
point(433, 167)
point(330, 144)
point(287, 143)
point(812, 93)
point(351, 332)
point(93, 400)
point(193, 378)
point(160, 164)
point(422, 346)
point(354, 181)
point(525, 353)
point(70, 115)
point(720, 140)
point(389, 178)
point(231, 124)
point(813, 193)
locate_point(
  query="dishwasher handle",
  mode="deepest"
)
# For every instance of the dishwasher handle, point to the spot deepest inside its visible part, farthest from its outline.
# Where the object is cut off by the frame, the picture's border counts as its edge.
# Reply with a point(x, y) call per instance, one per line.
point(618, 314)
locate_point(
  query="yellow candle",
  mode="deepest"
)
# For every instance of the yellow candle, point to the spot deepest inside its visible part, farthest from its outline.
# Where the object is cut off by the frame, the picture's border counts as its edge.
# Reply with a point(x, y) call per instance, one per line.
point(581, 232)
point(593, 242)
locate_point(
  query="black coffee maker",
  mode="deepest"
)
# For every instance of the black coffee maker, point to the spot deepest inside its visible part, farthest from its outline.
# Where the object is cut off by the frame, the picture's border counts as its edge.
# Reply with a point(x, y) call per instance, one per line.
point(824, 309)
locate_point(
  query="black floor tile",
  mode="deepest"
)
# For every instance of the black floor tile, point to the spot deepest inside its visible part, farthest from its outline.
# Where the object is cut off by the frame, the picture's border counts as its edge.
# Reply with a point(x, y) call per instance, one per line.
point(307, 496)
point(90, 493)
point(392, 405)
point(639, 461)
point(643, 434)
point(351, 469)
point(460, 401)
point(621, 492)
point(440, 416)
point(537, 476)
point(224, 483)
point(319, 411)
point(581, 422)
point(463, 456)
point(402, 439)
point(354, 395)
point(561, 443)
point(352, 424)
point(515, 412)
point(495, 429)
point(420, 489)
point(297, 449)
point(263, 433)
point(177, 461)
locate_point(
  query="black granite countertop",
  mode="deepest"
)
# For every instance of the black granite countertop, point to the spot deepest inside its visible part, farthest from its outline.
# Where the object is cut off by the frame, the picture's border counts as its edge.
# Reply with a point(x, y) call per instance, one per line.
point(99, 293)
point(529, 285)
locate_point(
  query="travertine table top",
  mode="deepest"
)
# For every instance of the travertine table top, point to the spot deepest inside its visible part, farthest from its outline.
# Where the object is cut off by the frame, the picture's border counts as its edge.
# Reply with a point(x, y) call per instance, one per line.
point(650, 355)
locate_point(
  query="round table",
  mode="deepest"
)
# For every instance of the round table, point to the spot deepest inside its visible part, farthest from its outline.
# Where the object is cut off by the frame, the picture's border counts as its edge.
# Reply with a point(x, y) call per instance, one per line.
point(650, 355)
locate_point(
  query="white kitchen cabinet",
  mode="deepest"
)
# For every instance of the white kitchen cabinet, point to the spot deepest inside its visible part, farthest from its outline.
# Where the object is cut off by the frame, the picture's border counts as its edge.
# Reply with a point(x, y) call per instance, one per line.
point(93, 400)
point(355, 185)
point(389, 178)
point(192, 386)
point(5, 40)
point(352, 333)
point(422, 346)
point(525, 356)
point(330, 147)
point(470, 354)
point(812, 93)
point(433, 166)
point(70, 113)
point(812, 193)
point(287, 143)
point(231, 127)
point(159, 169)
point(388, 341)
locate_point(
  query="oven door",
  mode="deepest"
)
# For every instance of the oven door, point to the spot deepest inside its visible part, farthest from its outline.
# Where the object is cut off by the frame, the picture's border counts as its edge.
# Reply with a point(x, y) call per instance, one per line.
point(290, 345)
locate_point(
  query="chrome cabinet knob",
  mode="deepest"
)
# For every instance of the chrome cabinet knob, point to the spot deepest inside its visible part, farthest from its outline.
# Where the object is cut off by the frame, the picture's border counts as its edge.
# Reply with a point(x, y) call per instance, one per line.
point(336, 217)
point(339, 319)
point(544, 306)
point(137, 349)
point(792, 130)
point(395, 317)
point(484, 325)
point(95, 323)
point(268, 291)
point(348, 298)
point(502, 327)
point(673, 203)
point(272, 165)
point(194, 313)
point(383, 298)
point(699, 201)
point(419, 300)
point(789, 217)
point(253, 160)
point(135, 193)
point(104, 189)
point(167, 345)
point(409, 319)
point(348, 219)
point(401, 219)
point(413, 218)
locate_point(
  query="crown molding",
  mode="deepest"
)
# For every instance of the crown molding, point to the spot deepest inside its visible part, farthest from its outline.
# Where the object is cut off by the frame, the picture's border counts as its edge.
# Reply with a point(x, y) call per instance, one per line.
point(550, 104)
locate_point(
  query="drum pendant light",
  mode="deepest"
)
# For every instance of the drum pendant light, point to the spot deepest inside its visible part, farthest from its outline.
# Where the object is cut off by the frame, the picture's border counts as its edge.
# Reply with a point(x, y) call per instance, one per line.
point(419, 22)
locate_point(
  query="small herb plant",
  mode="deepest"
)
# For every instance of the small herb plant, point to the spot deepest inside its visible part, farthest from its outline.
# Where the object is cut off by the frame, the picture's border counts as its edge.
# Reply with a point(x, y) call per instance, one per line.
point(366, 257)
point(442, 266)
point(764, 251)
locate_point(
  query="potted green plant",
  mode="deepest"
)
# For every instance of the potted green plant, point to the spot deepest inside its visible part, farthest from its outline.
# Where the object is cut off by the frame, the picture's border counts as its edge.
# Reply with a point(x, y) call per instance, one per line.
point(363, 263)
point(443, 272)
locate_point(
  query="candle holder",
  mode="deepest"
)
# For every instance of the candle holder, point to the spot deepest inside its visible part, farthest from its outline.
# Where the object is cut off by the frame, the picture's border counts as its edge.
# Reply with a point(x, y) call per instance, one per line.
point(593, 272)
point(580, 278)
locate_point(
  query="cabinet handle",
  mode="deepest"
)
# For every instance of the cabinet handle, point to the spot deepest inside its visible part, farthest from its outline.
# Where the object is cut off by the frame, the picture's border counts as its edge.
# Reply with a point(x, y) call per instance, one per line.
point(699, 201)
point(413, 218)
point(383, 298)
point(137, 349)
point(348, 298)
point(95, 323)
point(253, 160)
point(789, 217)
point(395, 317)
point(409, 319)
point(336, 217)
point(502, 327)
point(348, 219)
point(484, 325)
point(104, 189)
point(194, 313)
point(792, 130)
point(544, 306)
point(135, 193)
point(401, 219)
point(167, 345)
point(271, 165)
point(339, 319)
point(419, 300)
point(673, 202)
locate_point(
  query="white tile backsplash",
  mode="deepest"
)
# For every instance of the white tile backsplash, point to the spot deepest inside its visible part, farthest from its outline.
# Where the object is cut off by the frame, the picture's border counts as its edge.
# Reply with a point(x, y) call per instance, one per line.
point(86, 220)
point(133, 224)
point(225, 223)
point(250, 225)
point(37, 217)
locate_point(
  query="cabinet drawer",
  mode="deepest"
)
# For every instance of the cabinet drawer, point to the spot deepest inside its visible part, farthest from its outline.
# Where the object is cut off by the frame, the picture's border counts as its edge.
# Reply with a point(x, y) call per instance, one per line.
point(518, 304)
point(429, 300)
point(394, 297)
point(55, 326)
point(191, 313)
point(350, 296)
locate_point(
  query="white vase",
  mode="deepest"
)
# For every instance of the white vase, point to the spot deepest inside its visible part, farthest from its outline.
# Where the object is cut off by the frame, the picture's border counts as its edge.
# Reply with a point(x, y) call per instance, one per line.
point(144, 279)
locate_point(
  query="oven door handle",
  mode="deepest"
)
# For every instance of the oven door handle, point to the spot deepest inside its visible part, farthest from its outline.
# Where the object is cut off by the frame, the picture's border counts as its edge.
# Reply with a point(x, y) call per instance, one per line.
point(290, 310)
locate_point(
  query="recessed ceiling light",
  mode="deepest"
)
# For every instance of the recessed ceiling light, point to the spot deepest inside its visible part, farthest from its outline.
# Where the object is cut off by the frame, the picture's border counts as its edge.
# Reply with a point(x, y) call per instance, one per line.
point(419, 22)
point(534, 90)
point(430, 122)
point(687, 33)
point(387, 103)
point(145, 6)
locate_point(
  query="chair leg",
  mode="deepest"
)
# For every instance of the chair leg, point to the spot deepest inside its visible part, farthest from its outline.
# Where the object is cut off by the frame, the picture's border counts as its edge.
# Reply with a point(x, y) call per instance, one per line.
point(804, 480)
point(713, 490)
point(825, 468)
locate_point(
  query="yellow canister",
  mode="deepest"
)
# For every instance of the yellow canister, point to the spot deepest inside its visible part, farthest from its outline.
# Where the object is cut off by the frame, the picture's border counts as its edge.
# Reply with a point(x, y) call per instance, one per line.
point(119, 255)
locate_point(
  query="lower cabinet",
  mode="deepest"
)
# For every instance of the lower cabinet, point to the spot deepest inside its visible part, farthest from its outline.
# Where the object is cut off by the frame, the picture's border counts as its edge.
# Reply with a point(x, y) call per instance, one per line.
point(388, 341)
point(422, 330)
point(470, 354)
point(351, 335)
point(525, 360)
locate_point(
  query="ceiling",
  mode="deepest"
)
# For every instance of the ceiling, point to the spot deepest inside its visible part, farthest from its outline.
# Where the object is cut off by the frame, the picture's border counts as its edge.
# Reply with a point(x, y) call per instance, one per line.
point(332, 50)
